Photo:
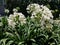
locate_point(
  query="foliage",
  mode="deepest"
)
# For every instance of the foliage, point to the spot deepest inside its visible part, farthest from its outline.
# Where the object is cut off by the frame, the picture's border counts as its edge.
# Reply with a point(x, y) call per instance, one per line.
point(29, 34)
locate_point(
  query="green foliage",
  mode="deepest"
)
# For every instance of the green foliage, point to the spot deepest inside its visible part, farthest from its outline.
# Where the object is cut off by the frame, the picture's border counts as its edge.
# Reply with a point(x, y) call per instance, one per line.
point(29, 34)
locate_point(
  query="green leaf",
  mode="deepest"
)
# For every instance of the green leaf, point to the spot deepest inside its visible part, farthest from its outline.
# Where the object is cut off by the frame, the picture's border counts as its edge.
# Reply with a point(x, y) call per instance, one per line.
point(20, 43)
point(10, 42)
point(3, 41)
point(33, 40)
point(9, 34)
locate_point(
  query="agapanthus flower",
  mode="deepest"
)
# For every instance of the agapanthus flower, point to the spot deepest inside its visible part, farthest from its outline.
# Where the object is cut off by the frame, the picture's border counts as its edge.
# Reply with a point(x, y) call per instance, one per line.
point(15, 10)
point(6, 11)
point(35, 9)
point(12, 20)
point(42, 11)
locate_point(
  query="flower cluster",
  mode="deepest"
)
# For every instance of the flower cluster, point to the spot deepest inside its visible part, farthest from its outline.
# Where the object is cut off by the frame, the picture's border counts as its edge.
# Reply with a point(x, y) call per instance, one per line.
point(15, 10)
point(16, 18)
point(6, 11)
point(37, 10)
point(34, 9)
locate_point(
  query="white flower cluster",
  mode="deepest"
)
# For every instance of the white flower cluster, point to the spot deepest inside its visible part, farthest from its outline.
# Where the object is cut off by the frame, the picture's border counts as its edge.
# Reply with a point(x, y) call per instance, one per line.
point(6, 11)
point(33, 9)
point(15, 10)
point(37, 10)
point(15, 17)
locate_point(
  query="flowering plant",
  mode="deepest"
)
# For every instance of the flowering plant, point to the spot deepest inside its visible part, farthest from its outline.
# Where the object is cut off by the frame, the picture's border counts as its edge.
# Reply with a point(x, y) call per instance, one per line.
point(37, 30)
point(41, 12)
point(16, 18)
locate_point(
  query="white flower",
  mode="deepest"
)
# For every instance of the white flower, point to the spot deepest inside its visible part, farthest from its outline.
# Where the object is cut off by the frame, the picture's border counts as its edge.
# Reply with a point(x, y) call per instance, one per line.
point(34, 9)
point(6, 11)
point(11, 16)
point(12, 20)
point(42, 11)
point(32, 16)
point(15, 10)
point(46, 17)
point(21, 16)
point(45, 8)
point(11, 23)
point(41, 6)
